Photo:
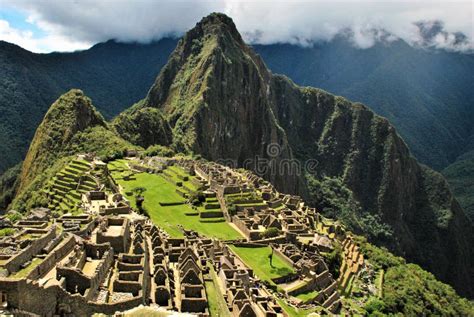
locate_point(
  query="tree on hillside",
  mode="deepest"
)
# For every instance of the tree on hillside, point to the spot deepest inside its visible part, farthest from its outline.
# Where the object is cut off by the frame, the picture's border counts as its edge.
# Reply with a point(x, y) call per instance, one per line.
point(138, 193)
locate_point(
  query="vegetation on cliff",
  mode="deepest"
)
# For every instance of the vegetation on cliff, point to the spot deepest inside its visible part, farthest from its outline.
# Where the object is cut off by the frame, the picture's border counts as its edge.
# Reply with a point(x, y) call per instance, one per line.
point(8, 183)
point(335, 200)
point(460, 176)
point(72, 125)
point(408, 290)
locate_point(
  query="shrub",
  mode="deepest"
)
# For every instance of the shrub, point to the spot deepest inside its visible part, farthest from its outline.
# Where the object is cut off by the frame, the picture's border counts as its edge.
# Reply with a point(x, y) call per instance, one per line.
point(6, 232)
point(159, 150)
point(270, 233)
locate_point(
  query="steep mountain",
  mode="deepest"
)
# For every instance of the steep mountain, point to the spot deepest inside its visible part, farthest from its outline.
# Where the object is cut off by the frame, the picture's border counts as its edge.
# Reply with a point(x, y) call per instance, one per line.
point(426, 94)
point(213, 94)
point(220, 101)
point(71, 125)
point(114, 74)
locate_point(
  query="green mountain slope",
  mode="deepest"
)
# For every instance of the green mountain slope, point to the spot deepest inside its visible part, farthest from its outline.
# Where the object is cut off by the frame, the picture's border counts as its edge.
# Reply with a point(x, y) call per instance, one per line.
point(114, 74)
point(460, 176)
point(427, 95)
point(72, 125)
point(220, 101)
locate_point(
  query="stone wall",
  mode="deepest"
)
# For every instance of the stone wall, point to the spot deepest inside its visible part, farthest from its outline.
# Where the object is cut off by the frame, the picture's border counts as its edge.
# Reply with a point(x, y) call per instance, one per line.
point(15, 262)
point(50, 261)
point(117, 210)
point(54, 300)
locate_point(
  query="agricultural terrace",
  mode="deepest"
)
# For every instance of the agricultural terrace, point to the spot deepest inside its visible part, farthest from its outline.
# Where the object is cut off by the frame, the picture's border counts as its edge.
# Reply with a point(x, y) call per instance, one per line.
point(165, 206)
point(257, 259)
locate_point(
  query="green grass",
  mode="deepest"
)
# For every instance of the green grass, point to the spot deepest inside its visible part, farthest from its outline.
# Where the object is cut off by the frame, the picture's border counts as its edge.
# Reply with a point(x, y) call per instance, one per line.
point(307, 296)
point(7, 232)
point(294, 312)
point(25, 271)
point(175, 171)
point(217, 305)
point(257, 259)
point(169, 217)
point(216, 301)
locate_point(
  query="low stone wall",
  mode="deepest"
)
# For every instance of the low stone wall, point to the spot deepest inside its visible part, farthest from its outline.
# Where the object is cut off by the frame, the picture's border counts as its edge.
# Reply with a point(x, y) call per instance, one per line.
point(286, 279)
point(54, 300)
point(243, 228)
point(283, 256)
point(16, 261)
point(211, 214)
point(173, 203)
point(249, 245)
point(117, 210)
point(181, 193)
point(87, 229)
point(50, 261)
point(212, 205)
point(256, 207)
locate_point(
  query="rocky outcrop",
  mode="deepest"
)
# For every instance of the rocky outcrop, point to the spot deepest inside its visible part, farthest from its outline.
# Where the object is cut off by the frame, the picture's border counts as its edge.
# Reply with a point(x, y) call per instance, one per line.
point(220, 101)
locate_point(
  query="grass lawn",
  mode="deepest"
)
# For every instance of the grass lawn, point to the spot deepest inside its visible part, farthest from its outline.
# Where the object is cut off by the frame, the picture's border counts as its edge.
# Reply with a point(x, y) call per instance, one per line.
point(215, 299)
point(217, 305)
point(257, 259)
point(307, 296)
point(169, 217)
point(174, 171)
point(157, 188)
point(7, 232)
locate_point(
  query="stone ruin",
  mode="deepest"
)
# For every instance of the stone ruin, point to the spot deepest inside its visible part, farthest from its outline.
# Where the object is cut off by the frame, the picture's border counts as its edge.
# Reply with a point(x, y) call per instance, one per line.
point(112, 259)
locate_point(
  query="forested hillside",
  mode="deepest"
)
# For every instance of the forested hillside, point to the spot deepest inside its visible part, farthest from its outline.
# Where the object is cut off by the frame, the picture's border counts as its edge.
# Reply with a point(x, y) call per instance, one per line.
point(114, 75)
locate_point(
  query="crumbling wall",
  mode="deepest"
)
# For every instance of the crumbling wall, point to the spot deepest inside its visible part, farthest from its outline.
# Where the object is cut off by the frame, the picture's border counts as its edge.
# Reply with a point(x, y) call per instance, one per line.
point(16, 261)
point(50, 261)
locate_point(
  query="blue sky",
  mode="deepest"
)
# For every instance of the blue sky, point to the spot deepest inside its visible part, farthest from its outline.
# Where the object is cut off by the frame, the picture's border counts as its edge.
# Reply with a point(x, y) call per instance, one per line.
point(18, 20)
point(68, 25)
point(19, 26)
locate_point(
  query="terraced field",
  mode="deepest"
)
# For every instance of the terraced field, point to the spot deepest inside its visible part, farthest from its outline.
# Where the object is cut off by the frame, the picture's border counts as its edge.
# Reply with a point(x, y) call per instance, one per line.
point(67, 186)
point(257, 259)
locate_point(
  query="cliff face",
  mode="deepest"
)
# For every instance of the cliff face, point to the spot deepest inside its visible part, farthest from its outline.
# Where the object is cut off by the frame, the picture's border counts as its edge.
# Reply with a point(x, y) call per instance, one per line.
point(220, 101)
point(351, 142)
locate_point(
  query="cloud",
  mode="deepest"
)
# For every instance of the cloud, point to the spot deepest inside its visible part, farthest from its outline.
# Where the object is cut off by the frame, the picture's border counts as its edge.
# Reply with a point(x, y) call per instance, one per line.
point(263, 22)
point(44, 44)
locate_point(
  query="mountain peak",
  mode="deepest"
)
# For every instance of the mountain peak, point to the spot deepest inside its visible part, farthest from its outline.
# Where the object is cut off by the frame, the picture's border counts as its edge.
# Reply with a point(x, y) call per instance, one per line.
point(216, 24)
point(70, 114)
point(217, 29)
point(214, 46)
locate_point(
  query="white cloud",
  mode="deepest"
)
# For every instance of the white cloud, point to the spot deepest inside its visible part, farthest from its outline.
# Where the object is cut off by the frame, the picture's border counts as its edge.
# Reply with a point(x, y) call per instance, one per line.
point(71, 24)
point(49, 43)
